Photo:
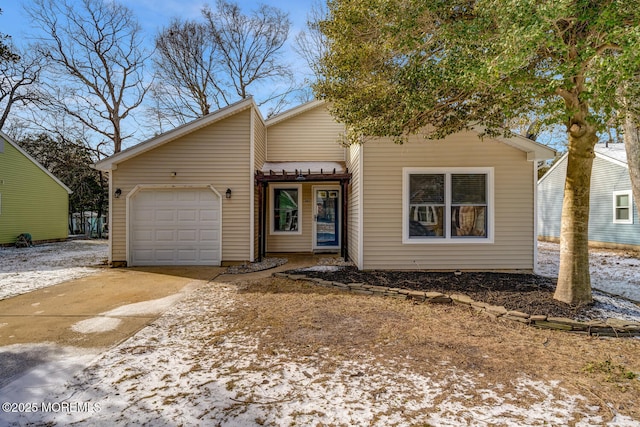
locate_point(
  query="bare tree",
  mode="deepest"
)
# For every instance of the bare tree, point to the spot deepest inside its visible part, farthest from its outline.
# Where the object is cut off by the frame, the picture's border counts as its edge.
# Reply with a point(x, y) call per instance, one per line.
point(312, 44)
point(6, 50)
point(229, 56)
point(97, 62)
point(186, 68)
point(19, 79)
point(249, 46)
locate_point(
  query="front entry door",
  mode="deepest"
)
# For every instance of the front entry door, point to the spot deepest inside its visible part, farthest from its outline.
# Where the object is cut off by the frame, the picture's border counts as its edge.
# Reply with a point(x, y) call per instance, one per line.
point(326, 224)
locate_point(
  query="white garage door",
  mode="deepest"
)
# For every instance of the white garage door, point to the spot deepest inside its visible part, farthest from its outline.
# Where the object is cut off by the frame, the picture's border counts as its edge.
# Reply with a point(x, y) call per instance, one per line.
point(175, 227)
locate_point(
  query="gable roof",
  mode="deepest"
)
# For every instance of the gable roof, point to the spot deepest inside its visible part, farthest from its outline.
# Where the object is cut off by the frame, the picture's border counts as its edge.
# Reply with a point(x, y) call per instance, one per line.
point(614, 153)
point(293, 112)
point(111, 162)
point(11, 142)
point(535, 151)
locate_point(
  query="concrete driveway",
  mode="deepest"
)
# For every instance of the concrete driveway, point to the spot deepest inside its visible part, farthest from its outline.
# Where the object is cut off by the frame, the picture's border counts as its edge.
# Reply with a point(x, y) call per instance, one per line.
point(92, 313)
point(49, 314)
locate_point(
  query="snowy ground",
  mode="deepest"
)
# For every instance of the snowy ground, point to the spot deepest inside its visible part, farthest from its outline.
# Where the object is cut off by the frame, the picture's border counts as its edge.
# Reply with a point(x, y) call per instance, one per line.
point(24, 270)
point(614, 272)
point(168, 375)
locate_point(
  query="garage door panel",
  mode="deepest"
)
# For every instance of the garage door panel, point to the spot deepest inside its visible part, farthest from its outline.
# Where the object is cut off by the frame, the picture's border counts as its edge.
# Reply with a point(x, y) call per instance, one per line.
point(209, 235)
point(143, 235)
point(166, 255)
point(165, 215)
point(187, 235)
point(209, 215)
point(144, 254)
point(165, 235)
point(191, 196)
point(143, 215)
point(162, 196)
point(175, 227)
point(187, 215)
point(210, 254)
point(187, 255)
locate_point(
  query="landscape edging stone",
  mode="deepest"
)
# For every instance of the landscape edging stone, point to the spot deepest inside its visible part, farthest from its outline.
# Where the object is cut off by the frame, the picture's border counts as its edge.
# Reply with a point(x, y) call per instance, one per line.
point(611, 328)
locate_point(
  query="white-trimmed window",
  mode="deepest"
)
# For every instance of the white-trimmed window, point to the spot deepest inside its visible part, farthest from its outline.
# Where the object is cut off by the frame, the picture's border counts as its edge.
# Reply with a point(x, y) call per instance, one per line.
point(447, 205)
point(285, 207)
point(622, 207)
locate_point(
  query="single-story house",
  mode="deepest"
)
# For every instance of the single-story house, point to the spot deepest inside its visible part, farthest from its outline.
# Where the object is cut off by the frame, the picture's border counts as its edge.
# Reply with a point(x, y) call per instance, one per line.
point(233, 187)
point(613, 216)
point(32, 200)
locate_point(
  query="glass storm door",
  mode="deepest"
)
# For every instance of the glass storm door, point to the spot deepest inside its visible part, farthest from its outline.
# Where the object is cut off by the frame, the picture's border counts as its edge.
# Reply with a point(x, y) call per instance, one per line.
point(326, 218)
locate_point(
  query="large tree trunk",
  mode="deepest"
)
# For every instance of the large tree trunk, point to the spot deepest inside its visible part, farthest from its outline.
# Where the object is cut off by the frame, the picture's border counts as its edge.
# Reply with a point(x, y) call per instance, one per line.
point(632, 146)
point(574, 282)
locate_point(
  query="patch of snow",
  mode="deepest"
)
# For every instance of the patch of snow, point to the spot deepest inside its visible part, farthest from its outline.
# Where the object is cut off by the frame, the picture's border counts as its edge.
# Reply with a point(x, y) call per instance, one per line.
point(167, 375)
point(24, 270)
point(48, 367)
point(96, 325)
point(265, 264)
point(180, 370)
point(321, 268)
point(611, 271)
point(145, 307)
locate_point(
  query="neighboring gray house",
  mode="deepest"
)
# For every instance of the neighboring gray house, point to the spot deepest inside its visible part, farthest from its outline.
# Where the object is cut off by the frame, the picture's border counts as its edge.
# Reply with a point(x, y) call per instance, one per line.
point(613, 217)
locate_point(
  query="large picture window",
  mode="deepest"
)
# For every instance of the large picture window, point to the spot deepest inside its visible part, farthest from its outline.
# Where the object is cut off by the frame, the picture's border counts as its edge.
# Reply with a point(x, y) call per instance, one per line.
point(622, 207)
point(447, 205)
point(285, 209)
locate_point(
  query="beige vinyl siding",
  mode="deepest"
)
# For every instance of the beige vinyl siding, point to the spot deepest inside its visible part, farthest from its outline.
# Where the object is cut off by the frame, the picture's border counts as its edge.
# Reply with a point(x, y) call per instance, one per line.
point(354, 208)
point(30, 200)
point(513, 211)
point(216, 155)
point(309, 136)
point(259, 138)
point(302, 242)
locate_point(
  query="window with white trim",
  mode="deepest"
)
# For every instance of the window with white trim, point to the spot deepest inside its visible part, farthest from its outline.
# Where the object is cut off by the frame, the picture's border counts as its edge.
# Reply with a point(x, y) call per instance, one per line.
point(450, 205)
point(285, 207)
point(622, 207)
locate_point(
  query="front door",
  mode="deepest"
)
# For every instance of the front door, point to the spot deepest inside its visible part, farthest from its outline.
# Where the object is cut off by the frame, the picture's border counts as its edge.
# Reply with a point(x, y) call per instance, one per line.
point(326, 224)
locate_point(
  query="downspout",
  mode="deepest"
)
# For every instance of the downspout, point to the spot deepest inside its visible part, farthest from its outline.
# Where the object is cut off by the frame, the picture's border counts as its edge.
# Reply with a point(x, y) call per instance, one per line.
point(261, 220)
point(344, 252)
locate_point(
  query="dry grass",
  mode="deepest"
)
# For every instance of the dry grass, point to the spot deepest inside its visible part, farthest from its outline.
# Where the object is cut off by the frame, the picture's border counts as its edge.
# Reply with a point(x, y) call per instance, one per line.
point(305, 321)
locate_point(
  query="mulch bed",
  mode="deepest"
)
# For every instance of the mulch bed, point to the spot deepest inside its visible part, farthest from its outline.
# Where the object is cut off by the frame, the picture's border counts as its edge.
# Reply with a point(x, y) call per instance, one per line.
point(528, 293)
